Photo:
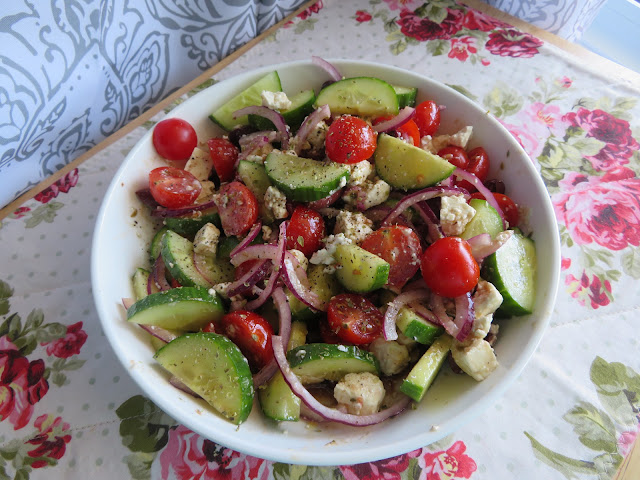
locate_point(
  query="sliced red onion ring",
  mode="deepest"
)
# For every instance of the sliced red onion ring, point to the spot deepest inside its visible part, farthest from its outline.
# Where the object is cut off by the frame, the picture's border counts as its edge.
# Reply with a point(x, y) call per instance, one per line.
point(200, 262)
point(127, 302)
point(465, 316)
point(250, 140)
point(327, 67)
point(144, 195)
point(424, 312)
point(326, 201)
point(262, 251)
point(419, 196)
point(276, 118)
point(486, 193)
point(180, 212)
point(180, 385)
point(309, 123)
point(430, 220)
point(295, 278)
point(329, 413)
point(437, 307)
point(482, 245)
point(160, 275)
point(159, 332)
point(152, 287)
point(250, 237)
point(389, 325)
point(403, 117)
point(255, 274)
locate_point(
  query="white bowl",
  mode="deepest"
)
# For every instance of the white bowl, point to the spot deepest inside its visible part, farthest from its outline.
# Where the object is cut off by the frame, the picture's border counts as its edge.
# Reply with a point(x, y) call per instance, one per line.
point(120, 245)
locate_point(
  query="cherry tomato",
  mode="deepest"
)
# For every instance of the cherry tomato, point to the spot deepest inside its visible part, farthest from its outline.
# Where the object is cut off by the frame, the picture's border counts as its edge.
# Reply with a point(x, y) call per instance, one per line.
point(354, 319)
point(251, 333)
point(478, 165)
point(508, 206)
point(238, 208)
point(400, 247)
point(173, 187)
point(174, 139)
point(327, 335)
point(455, 155)
point(210, 327)
point(305, 230)
point(408, 131)
point(427, 117)
point(350, 140)
point(224, 155)
point(448, 267)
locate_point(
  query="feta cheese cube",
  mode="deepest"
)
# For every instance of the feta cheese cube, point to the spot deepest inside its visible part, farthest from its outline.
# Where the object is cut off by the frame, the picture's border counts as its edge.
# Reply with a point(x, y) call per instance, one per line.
point(206, 194)
point(276, 201)
point(458, 139)
point(367, 194)
point(477, 359)
point(361, 393)
point(206, 240)
point(487, 299)
point(455, 213)
point(200, 164)
point(302, 259)
point(359, 172)
point(324, 256)
point(275, 100)
point(353, 225)
point(392, 356)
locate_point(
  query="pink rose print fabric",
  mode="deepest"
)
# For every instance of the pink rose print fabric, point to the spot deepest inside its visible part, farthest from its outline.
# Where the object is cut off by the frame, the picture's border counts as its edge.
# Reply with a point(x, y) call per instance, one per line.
point(513, 43)
point(63, 185)
point(389, 469)
point(447, 464)
point(51, 441)
point(68, 345)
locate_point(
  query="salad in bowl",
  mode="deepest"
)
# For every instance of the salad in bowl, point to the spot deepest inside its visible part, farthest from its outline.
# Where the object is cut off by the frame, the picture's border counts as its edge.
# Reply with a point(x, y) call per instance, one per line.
point(333, 245)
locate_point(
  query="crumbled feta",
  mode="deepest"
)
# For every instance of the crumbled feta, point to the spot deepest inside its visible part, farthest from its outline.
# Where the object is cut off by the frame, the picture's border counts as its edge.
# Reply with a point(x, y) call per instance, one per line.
point(487, 299)
point(206, 194)
point(324, 256)
point(302, 259)
point(361, 393)
point(354, 225)
point(477, 358)
point(200, 164)
point(256, 158)
point(276, 201)
point(367, 194)
point(455, 213)
point(392, 356)
point(275, 100)
point(206, 240)
point(267, 232)
point(359, 172)
point(221, 289)
point(458, 139)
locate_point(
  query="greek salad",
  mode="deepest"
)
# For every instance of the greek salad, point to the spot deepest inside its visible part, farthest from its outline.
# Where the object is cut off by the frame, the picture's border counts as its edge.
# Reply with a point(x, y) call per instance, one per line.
point(328, 254)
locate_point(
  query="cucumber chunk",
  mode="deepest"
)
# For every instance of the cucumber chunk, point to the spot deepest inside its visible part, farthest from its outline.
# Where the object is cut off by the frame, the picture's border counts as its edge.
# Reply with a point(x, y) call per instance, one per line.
point(213, 269)
point(139, 283)
point(512, 270)
point(212, 366)
point(301, 106)
point(407, 167)
point(417, 328)
point(155, 248)
point(223, 116)
point(303, 179)
point(425, 371)
point(183, 308)
point(317, 362)
point(486, 220)
point(360, 271)
point(364, 96)
point(189, 225)
point(322, 284)
point(406, 96)
point(177, 253)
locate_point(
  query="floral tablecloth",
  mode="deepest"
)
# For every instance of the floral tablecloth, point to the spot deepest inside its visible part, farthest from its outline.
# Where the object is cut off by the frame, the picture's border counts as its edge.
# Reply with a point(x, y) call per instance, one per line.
point(69, 410)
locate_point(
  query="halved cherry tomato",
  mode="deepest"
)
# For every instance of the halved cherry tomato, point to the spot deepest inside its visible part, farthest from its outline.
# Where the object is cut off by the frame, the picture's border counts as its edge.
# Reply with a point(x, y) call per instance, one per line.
point(354, 319)
point(478, 165)
point(508, 206)
point(427, 117)
point(251, 333)
point(174, 139)
point(448, 267)
point(408, 131)
point(400, 247)
point(238, 208)
point(350, 140)
point(305, 230)
point(455, 155)
point(173, 187)
point(224, 155)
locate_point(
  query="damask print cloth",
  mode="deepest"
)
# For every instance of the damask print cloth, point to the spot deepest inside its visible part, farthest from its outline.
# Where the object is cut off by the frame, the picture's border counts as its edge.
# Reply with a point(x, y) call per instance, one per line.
point(69, 410)
point(72, 73)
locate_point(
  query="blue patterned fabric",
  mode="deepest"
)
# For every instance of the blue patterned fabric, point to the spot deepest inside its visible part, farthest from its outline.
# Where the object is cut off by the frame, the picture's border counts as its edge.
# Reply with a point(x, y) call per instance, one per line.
point(73, 72)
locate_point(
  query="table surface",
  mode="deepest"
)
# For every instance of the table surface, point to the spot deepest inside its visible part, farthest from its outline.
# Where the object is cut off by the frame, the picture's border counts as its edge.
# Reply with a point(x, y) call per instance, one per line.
point(67, 406)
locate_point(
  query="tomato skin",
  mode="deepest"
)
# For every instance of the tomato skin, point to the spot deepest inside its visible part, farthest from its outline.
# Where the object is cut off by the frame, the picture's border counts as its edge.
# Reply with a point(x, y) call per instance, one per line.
point(448, 267)
point(354, 319)
point(479, 164)
point(305, 231)
point(350, 140)
point(238, 208)
point(174, 139)
point(407, 131)
point(427, 117)
point(455, 155)
point(224, 155)
point(400, 247)
point(173, 187)
point(508, 206)
point(251, 333)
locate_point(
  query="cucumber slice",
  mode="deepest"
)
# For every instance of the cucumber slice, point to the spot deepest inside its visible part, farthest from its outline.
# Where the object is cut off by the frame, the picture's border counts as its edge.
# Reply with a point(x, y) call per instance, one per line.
point(183, 308)
point(360, 271)
point(364, 96)
point(406, 96)
point(139, 283)
point(416, 327)
point(189, 225)
point(303, 179)
point(317, 362)
point(223, 116)
point(407, 167)
point(322, 284)
point(254, 176)
point(424, 372)
point(214, 270)
point(212, 366)
point(177, 253)
point(301, 106)
point(512, 270)
point(486, 220)
point(155, 248)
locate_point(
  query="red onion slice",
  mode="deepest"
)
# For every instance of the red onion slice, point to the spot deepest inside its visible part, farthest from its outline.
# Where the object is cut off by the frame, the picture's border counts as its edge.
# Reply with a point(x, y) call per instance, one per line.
point(159, 332)
point(127, 302)
point(180, 385)
point(160, 275)
point(486, 193)
point(144, 195)
point(326, 201)
point(424, 312)
point(276, 118)
point(295, 278)
point(465, 316)
point(327, 67)
point(419, 196)
point(309, 123)
point(329, 413)
point(389, 326)
point(403, 117)
point(482, 245)
point(261, 252)
point(245, 284)
point(180, 212)
point(152, 287)
point(250, 237)
point(430, 220)
point(437, 307)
